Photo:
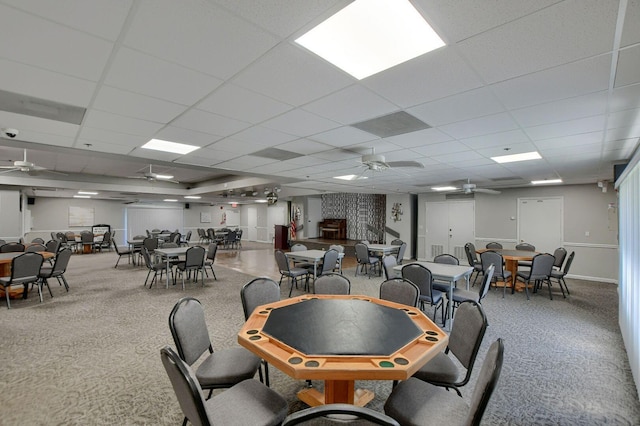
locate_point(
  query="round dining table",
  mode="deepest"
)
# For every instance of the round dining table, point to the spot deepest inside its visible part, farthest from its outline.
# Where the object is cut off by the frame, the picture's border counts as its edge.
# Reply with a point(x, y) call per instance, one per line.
point(5, 271)
point(511, 258)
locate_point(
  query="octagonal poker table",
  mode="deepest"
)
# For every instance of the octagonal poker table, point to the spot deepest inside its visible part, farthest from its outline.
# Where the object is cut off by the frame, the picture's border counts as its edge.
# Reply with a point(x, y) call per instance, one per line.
point(341, 339)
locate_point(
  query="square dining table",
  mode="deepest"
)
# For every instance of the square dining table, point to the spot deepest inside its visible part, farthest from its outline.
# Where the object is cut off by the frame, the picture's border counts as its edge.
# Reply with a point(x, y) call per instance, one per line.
point(311, 256)
point(167, 254)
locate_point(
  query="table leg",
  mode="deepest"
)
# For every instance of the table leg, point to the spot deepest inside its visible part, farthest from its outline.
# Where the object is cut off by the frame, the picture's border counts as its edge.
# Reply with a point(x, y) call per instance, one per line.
point(167, 271)
point(336, 391)
point(511, 266)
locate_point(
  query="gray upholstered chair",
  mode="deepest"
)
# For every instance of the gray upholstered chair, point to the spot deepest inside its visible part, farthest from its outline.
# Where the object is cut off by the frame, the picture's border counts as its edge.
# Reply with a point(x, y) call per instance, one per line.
point(560, 255)
point(494, 246)
point(293, 274)
point(396, 242)
point(56, 271)
point(37, 240)
point(211, 257)
point(193, 263)
point(53, 246)
point(12, 248)
point(248, 402)
point(36, 248)
point(298, 264)
point(87, 240)
point(525, 247)
point(332, 283)
point(122, 251)
point(400, 255)
point(489, 258)
point(540, 271)
point(559, 275)
point(400, 290)
point(329, 262)
point(421, 277)
point(473, 260)
point(259, 291)
point(461, 295)
point(447, 259)
point(105, 243)
point(365, 261)
point(342, 413)
point(415, 402)
point(218, 370)
point(388, 263)
point(340, 249)
point(465, 339)
point(24, 271)
point(155, 267)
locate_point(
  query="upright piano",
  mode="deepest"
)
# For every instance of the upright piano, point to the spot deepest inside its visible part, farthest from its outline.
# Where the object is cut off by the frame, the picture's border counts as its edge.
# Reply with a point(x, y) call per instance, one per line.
point(335, 229)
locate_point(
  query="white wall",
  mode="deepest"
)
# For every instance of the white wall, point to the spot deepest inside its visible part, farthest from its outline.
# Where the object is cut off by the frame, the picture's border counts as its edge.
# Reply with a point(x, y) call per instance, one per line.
point(11, 219)
point(586, 209)
point(403, 226)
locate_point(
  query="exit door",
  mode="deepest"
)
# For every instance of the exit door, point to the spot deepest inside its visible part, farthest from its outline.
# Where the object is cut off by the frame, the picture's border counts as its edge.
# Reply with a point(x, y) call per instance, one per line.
point(450, 225)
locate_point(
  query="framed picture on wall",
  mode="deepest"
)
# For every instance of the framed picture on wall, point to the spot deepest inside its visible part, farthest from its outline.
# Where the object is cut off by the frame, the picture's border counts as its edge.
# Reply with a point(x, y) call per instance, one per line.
point(80, 216)
point(205, 217)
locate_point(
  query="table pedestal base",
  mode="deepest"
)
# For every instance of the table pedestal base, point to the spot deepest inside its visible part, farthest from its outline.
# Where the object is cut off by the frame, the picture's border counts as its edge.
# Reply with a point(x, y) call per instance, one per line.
point(336, 391)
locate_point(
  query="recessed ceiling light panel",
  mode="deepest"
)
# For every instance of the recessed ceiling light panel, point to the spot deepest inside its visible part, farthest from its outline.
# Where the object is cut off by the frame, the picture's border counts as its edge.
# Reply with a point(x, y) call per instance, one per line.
point(369, 36)
point(525, 156)
point(167, 146)
point(542, 182)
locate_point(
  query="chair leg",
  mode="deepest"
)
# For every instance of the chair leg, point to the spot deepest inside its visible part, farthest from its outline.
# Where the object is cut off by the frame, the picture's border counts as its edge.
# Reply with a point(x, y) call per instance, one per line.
point(549, 285)
point(565, 285)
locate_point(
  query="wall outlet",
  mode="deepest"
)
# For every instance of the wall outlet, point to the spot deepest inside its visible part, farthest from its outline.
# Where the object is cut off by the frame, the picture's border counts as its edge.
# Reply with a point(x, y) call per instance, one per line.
point(586, 233)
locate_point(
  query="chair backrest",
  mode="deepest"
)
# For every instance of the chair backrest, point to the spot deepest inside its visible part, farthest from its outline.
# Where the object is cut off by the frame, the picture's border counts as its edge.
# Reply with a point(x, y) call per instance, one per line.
point(396, 242)
point(466, 335)
point(189, 329)
point(26, 267)
point(329, 261)
point(170, 245)
point(11, 248)
point(541, 266)
point(420, 276)
point(2, 242)
point(493, 245)
point(61, 236)
point(486, 282)
point(147, 257)
point(362, 253)
point(525, 247)
point(194, 257)
point(38, 240)
point(489, 258)
point(281, 260)
point(106, 238)
point(560, 254)
point(567, 265)
point(150, 244)
point(332, 283)
point(211, 233)
point(86, 237)
point(62, 261)
point(337, 247)
point(187, 238)
point(486, 383)
point(470, 251)
point(339, 411)
point(400, 290)
point(298, 247)
point(401, 250)
point(211, 252)
point(35, 248)
point(447, 259)
point(186, 387)
point(71, 236)
point(53, 246)
point(388, 262)
point(258, 291)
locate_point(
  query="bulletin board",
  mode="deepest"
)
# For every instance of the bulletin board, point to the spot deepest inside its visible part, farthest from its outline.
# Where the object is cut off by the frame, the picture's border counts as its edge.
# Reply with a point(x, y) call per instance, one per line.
point(205, 217)
point(81, 216)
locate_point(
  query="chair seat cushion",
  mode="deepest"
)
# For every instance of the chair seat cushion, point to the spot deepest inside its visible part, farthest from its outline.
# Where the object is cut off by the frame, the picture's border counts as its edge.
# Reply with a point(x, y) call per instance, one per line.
point(441, 369)
point(460, 295)
point(296, 272)
point(228, 366)
point(247, 403)
point(414, 402)
point(441, 286)
point(374, 260)
point(437, 297)
point(557, 274)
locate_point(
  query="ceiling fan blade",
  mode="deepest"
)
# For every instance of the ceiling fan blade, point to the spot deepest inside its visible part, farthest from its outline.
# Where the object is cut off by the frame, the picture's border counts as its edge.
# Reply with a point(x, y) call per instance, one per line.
point(487, 191)
point(8, 167)
point(405, 164)
point(9, 170)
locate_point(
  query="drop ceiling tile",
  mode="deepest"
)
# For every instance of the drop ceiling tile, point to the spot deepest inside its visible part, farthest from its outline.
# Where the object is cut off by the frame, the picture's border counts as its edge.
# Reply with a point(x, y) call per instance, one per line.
point(515, 148)
point(102, 19)
point(501, 139)
point(419, 138)
point(129, 104)
point(343, 136)
point(462, 19)
point(206, 122)
point(464, 106)
point(628, 65)
point(623, 118)
point(570, 141)
point(208, 156)
point(99, 146)
point(566, 128)
point(239, 103)
point(625, 98)
point(440, 149)
point(263, 137)
point(565, 81)
point(53, 47)
point(103, 136)
point(495, 123)
point(189, 137)
point(304, 146)
point(562, 110)
point(120, 123)
point(27, 124)
point(245, 162)
point(459, 157)
point(154, 155)
point(631, 27)
point(40, 83)
point(200, 35)
point(338, 154)
point(568, 151)
point(434, 75)
point(144, 74)
point(622, 133)
point(565, 32)
point(234, 145)
point(285, 72)
point(300, 123)
point(629, 144)
point(351, 105)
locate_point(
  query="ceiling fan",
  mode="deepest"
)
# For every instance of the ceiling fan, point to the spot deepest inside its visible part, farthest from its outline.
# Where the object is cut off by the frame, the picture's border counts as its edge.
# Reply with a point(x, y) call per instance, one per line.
point(151, 176)
point(377, 162)
point(26, 167)
point(470, 188)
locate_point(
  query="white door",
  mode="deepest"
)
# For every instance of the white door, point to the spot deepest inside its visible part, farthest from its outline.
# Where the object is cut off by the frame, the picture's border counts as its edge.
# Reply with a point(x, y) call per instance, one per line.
point(252, 224)
point(314, 215)
point(540, 222)
point(450, 225)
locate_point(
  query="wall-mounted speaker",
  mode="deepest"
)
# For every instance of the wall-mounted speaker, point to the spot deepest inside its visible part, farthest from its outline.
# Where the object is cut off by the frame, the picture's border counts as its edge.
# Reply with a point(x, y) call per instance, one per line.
point(31, 201)
point(186, 205)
